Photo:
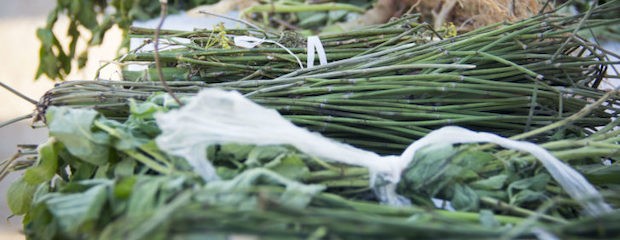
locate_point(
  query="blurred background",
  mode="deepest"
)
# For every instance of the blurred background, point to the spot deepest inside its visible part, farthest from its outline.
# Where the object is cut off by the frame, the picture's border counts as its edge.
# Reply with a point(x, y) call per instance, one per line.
point(18, 62)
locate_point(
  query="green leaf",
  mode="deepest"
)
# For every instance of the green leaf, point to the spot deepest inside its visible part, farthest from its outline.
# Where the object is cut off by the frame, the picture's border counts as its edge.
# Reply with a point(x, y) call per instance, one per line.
point(19, 196)
point(426, 171)
point(74, 210)
point(537, 183)
point(312, 19)
point(291, 166)
point(144, 110)
point(47, 164)
point(99, 31)
point(492, 183)
point(601, 175)
point(143, 199)
point(82, 59)
point(46, 36)
point(263, 155)
point(238, 191)
point(525, 196)
point(234, 152)
point(124, 187)
point(86, 14)
point(528, 189)
point(464, 198)
point(74, 34)
point(124, 137)
point(72, 127)
point(125, 168)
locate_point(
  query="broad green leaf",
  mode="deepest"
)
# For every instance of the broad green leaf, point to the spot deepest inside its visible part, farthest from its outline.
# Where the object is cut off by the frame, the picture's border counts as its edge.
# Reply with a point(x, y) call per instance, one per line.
point(74, 210)
point(19, 196)
point(73, 127)
point(47, 164)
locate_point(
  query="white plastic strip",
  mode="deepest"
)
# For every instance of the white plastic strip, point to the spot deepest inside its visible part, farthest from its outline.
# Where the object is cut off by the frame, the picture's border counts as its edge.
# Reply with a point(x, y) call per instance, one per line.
point(216, 116)
point(315, 45)
point(252, 42)
point(570, 180)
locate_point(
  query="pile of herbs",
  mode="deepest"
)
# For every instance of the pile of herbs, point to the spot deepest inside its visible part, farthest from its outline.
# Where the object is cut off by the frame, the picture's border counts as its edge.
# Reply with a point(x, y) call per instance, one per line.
point(92, 18)
point(386, 85)
point(104, 179)
point(102, 176)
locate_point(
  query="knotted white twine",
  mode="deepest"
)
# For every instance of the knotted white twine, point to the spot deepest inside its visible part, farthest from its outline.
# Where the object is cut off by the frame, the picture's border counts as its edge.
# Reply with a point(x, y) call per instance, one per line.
point(313, 45)
point(215, 116)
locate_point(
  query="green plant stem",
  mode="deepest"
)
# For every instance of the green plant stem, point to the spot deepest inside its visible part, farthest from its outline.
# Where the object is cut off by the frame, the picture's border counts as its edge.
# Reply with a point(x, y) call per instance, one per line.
point(517, 210)
point(281, 8)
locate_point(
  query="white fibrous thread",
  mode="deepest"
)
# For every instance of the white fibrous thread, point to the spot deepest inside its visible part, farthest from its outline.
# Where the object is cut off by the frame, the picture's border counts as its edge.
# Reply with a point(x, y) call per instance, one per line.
point(216, 116)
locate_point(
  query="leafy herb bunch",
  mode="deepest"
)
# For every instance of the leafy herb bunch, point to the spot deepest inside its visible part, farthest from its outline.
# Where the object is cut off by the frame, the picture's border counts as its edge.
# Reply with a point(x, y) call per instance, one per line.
point(94, 17)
